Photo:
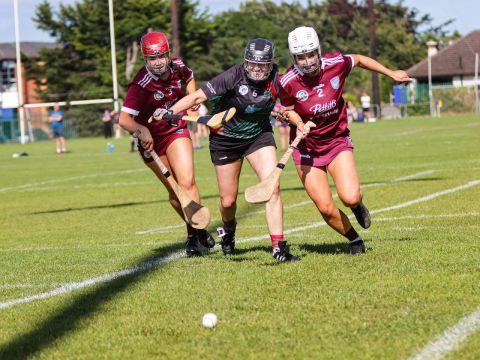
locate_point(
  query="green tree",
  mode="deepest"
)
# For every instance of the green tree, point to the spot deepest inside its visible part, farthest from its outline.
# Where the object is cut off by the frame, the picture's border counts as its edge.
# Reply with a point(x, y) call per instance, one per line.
point(80, 67)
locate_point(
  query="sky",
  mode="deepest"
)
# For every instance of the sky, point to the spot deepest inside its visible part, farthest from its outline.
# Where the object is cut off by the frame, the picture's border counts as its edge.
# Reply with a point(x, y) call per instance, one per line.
point(465, 12)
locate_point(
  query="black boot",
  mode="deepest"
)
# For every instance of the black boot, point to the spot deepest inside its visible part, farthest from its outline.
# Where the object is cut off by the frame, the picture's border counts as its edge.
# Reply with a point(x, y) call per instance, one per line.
point(363, 215)
point(281, 253)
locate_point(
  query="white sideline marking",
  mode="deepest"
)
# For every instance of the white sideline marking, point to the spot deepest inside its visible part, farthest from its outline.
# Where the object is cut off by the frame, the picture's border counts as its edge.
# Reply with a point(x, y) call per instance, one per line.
point(427, 172)
point(154, 263)
point(428, 197)
point(85, 186)
point(93, 281)
point(450, 339)
point(159, 243)
point(429, 129)
point(37, 187)
point(423, 216)
point(53, 181)
point(25, 286)
point(408, 177)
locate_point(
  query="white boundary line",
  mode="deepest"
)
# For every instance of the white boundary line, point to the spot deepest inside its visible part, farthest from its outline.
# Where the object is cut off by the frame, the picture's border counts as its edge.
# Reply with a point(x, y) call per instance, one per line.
point(451, 338)
point(53, 181)
point(159, 243)
point(157, 262)
point(148, 265)
point(168, 228)
point(86, 186)
point(26, 286)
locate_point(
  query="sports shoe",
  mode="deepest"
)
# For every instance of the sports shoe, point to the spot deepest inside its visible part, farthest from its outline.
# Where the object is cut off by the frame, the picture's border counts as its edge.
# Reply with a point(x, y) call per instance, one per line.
point(357, 247)
point(363, 215)
point(205, 238)
point(191, 247)
point(281, 253)
point(227, 240)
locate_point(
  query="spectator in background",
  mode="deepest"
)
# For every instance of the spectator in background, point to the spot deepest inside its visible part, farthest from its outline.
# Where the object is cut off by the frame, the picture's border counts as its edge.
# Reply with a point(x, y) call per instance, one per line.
point(107, 123)
point(365, 101)
point(55, 118)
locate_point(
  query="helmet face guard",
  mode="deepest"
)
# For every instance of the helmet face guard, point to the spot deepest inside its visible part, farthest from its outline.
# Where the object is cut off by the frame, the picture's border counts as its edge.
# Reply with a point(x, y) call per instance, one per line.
point(303, 41)
point(310, 62)
point(155, 52)
point(258, 59)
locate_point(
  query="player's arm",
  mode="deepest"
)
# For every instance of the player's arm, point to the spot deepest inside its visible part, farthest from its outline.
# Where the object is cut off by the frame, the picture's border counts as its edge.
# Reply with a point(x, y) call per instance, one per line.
point(368, 63)
point(296, 120)
point(127, 122)
point(195, 98)
point(191, 88)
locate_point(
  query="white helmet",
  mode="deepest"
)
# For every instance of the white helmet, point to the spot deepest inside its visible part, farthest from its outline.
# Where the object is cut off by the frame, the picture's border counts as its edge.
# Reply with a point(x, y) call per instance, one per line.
point(303, 40)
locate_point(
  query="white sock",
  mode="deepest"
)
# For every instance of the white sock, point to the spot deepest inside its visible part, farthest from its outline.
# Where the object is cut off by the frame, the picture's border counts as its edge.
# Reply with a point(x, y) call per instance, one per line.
point(357, 239)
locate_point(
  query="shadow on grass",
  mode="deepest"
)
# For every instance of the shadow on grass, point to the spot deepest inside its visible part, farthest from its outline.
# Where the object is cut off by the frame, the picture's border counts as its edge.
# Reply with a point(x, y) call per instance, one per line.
point(108, 206)
point(69, 318)
point(330, 249)
point(337, 248)
point(97, 207)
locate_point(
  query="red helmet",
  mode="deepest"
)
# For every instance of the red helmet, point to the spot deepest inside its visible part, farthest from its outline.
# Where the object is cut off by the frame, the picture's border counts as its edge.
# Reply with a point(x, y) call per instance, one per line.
point(154, 43)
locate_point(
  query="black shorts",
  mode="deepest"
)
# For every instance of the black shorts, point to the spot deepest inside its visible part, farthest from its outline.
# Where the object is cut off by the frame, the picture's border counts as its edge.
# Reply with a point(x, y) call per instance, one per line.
point(225, 150)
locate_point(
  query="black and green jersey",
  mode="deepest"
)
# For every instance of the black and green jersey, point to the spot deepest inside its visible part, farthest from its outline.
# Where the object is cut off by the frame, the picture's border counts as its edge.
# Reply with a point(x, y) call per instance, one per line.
point(253, 101)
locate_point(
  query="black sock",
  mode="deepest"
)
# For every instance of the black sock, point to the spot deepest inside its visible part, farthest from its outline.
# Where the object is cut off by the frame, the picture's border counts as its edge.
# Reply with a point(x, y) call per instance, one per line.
point(352, 235)
point(230, 226)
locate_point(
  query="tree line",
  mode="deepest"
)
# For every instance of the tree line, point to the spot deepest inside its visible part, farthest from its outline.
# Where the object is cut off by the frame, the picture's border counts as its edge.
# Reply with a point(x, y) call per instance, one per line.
point(80, 67)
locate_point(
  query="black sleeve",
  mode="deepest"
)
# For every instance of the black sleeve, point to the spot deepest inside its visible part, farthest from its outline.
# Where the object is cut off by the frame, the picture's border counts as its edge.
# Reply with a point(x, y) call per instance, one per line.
point(223, 83)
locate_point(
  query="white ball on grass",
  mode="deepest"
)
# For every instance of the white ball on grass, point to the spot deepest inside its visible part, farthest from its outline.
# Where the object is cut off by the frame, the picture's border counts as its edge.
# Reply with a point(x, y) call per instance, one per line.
point(209, 320)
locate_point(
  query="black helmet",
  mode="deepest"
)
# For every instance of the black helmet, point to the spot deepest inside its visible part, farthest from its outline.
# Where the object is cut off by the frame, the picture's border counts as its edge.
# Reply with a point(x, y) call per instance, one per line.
point(259, 51)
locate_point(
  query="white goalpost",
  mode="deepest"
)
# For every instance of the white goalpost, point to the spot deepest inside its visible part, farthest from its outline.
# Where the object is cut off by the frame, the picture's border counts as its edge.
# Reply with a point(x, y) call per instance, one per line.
point(23, 106)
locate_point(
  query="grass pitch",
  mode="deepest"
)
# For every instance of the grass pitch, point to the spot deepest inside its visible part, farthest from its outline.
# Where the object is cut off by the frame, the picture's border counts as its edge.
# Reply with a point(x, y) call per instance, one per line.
point(92, 265)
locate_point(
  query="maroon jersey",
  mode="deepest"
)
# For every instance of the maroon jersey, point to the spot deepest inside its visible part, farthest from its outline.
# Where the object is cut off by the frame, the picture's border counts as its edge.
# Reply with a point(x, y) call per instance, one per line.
point(148, 92)
point(319, 99)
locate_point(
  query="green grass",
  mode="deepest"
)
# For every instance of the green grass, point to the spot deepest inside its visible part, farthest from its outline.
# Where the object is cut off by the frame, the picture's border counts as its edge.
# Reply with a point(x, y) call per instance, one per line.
point(68, 218)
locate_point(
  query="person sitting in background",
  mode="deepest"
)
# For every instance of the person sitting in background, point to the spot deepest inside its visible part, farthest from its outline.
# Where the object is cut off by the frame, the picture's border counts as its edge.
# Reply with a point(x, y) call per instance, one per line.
point(55, 119)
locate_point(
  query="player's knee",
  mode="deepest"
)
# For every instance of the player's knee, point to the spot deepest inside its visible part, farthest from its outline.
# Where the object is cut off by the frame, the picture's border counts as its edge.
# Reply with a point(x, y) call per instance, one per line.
point(276, 193)
point(327, 209)
point(227, 201)
point(351, 199)
point(187, 184)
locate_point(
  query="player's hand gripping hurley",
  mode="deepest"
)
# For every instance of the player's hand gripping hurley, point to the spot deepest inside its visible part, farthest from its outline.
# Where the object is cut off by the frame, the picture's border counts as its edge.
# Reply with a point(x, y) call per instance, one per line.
point(263, 191)
point(195, 214)
point(214, 121)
